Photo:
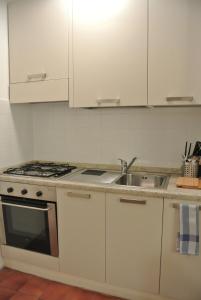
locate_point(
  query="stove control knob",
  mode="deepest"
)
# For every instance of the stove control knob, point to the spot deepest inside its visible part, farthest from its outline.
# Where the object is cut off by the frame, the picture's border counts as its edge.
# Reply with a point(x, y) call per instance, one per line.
point(10, 190)
point(39, 194)
point(24, 192)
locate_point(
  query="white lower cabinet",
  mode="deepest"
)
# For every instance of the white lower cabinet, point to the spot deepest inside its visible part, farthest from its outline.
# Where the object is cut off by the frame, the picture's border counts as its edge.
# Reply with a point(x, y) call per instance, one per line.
point(180, 274)
point(81, 223)
point(134, 230)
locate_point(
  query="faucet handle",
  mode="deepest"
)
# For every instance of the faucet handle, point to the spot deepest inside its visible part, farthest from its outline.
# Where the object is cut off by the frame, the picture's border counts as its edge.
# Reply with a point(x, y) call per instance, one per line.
point(123, 161)
point(123, 165)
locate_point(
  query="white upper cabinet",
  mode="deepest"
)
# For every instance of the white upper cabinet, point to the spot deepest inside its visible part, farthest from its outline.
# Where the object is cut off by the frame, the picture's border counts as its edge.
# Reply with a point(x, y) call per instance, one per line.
point(38, 43)
point(174, 52)
point(109, 48)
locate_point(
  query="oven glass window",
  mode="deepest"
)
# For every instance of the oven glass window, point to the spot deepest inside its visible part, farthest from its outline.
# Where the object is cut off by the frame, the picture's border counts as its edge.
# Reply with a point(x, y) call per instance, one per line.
point(26, 228)
point(25, 221)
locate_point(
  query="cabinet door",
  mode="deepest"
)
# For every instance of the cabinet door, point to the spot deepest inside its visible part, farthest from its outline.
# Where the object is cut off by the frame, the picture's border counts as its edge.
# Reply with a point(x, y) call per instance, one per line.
point(134, 229)
point(109, 53)
point(38, 50)
point(180, 274)
point(81, 223)
point(174, 52)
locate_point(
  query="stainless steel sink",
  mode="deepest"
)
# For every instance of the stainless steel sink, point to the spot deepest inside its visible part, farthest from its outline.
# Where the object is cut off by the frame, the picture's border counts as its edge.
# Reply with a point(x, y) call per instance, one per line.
point(144, 180)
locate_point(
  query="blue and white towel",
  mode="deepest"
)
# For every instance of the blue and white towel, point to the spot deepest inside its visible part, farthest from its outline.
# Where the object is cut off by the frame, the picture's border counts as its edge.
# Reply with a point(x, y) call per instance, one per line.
point(188, 237)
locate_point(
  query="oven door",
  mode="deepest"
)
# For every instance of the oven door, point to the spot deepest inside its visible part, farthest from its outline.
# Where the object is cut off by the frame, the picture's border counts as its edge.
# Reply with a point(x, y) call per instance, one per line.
point(30, 224)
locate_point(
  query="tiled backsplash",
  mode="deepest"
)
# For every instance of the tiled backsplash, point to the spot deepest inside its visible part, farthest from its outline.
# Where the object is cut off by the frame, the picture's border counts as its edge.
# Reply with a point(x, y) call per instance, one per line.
point(16, 134)
point(157, 136)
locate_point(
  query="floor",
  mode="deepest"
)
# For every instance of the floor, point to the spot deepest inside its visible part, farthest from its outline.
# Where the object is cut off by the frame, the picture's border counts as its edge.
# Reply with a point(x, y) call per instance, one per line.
point(16, 285)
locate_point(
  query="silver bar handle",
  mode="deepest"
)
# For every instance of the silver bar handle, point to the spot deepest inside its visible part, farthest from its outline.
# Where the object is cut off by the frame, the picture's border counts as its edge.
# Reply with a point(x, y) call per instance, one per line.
point(52, 222)
point(105, 101)
point(23, 206)
point(186, 99)
point(176, 206)
point(78, 195)
point(40, 76)
point(2, 229)
point(140, 202)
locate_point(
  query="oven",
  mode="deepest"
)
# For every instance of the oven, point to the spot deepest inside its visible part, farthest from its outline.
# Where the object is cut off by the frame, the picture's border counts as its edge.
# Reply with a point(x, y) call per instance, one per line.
point(29, 223)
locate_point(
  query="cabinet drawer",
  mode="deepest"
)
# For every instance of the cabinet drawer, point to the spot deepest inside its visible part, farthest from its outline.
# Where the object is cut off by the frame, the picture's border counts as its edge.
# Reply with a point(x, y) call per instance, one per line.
point(39, 91)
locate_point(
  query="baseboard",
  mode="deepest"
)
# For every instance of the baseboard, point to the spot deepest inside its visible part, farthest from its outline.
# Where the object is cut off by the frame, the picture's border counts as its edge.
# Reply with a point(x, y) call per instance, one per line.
point(30, 258)
point(80, 282)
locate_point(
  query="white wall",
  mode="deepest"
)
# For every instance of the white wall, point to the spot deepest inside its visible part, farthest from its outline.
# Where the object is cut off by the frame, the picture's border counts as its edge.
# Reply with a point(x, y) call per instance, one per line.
point(157, 136)
point(15, 121)
point(3, 52)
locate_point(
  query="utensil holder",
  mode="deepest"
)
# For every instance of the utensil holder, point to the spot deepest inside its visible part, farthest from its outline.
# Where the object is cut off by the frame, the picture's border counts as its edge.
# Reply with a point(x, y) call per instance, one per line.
point(191, 168)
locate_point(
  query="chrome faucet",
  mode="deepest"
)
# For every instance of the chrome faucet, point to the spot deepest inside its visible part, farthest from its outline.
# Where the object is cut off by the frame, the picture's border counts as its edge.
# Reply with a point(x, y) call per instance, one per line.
point(125, 166)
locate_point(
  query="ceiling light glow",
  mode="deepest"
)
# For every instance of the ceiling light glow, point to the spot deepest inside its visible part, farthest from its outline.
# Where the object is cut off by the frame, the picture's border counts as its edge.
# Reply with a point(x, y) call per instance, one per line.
point(94, 11)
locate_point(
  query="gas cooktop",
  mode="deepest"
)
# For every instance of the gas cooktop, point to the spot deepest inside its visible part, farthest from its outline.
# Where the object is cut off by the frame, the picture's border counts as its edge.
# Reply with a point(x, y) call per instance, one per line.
point(40, 169)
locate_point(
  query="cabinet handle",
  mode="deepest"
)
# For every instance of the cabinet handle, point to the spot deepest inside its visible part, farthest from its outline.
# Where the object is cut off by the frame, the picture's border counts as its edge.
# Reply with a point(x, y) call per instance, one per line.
point(172, 99)
point(78, 195)
point(24, 206)
point(102, 101)
point(141, 202)
point(176, 206)
point(40, 76)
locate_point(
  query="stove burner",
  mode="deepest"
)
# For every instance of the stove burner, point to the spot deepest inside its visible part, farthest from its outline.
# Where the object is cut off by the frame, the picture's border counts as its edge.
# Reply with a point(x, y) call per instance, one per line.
point(41, 170)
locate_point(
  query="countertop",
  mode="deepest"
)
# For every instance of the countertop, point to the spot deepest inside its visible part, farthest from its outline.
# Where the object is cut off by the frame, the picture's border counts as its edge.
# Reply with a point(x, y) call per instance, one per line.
point(172, 192)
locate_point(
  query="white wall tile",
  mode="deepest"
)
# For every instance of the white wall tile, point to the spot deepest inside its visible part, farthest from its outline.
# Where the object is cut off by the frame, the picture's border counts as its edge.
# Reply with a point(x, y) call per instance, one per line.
point(157, 136)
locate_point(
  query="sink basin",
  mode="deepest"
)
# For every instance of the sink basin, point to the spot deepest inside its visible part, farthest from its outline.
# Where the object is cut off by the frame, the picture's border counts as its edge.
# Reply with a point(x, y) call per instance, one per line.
point(144, 180)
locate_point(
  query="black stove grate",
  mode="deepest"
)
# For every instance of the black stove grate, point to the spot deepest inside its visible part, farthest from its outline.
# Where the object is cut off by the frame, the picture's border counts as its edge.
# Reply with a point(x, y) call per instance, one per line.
point(41, 170)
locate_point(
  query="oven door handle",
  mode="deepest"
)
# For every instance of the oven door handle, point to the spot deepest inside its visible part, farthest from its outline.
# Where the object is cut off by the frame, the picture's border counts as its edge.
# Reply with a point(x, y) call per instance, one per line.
point(23, 206)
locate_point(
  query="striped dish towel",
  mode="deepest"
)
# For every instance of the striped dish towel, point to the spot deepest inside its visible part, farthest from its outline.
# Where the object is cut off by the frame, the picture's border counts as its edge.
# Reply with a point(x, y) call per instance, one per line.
point(188, 237)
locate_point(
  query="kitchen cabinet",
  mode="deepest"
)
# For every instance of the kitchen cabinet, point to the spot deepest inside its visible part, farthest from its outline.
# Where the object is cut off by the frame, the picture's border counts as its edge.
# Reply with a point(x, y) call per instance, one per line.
point(134, 230)
point(109, 53)
point(180, 274)
point(174, 52)
point(81, 224)
point(38, 50)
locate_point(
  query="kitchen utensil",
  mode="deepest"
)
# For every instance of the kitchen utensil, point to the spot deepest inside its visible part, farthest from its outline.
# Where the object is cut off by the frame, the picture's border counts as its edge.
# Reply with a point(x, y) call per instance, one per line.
point(185, 152)
point(189, 150)
point(197, 149)
point(191, 168)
